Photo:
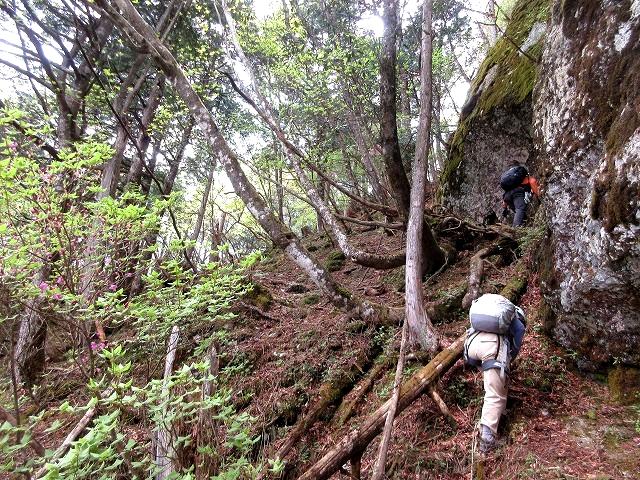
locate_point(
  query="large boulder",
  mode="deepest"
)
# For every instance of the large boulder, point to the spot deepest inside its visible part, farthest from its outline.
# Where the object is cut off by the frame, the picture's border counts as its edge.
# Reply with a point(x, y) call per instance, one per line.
point(561, 90)
point(586, 129)
point(495, 124)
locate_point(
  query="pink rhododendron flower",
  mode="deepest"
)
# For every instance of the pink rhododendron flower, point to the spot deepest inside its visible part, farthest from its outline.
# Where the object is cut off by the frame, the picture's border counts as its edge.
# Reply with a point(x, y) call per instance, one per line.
point(97, 346)
point(57, 296)
point(113, 287)
point(60, 281)
point(44, 286)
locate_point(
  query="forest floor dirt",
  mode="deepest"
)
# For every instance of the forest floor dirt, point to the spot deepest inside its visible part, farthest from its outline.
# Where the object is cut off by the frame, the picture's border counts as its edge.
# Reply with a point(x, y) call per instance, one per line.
point(560, 423)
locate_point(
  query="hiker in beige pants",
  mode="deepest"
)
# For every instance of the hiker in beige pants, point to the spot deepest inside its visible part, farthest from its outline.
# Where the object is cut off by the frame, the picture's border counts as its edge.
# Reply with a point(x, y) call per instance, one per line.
point(484, 347)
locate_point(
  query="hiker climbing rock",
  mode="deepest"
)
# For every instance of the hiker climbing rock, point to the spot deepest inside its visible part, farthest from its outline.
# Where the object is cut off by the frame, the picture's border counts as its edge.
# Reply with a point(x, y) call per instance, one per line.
point(519, 187)
point(493, 341)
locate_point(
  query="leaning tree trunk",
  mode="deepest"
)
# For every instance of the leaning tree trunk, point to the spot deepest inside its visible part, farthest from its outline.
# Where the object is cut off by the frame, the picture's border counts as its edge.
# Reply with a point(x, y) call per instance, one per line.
point(293, 154)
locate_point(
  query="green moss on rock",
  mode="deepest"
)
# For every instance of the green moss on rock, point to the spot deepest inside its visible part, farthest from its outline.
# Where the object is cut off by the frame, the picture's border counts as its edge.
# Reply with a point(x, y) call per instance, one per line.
point(335, 261)
point(515, 76)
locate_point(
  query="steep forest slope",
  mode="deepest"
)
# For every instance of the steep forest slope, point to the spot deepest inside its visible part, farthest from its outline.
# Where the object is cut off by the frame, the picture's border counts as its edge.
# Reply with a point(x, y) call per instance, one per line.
point(560, 93)
point(140, 338)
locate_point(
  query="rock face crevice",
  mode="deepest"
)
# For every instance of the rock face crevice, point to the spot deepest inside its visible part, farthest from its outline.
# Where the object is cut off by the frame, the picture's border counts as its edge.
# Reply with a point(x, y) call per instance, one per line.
point(574, 117)
point(586, 130)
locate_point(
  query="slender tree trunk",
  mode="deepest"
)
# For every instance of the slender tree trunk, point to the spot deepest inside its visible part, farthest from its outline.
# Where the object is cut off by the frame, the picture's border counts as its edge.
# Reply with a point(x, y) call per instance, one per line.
point(421, 331)
point(201, 211)
point(167, 188)
point(144, 139)
point(293, 154)
point(364, 151)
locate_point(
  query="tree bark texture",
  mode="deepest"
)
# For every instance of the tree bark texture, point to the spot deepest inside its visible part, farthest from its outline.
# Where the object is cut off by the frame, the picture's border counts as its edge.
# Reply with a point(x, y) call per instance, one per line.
point(389, 128)
point(421, 331)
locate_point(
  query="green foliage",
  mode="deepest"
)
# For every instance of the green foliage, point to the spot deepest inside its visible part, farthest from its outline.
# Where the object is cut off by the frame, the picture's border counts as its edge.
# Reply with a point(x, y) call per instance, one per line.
point(175, 405)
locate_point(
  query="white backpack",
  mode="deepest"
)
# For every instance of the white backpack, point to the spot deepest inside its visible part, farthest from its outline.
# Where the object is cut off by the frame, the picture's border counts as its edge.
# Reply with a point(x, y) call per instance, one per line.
point(492, 313)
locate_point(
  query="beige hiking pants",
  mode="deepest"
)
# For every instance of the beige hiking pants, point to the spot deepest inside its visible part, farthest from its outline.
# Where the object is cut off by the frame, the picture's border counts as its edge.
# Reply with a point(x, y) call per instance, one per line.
point(484, 347)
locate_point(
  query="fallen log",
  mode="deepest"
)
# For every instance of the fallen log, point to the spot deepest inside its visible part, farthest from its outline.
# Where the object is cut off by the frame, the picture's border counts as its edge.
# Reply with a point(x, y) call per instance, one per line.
point(330, 392)
point(357, 440)
point(476, 270)
point(347, 407)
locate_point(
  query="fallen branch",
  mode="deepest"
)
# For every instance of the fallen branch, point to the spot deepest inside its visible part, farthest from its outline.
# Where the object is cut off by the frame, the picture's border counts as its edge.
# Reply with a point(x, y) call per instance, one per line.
point(435, 396)
point(346, 409)
point(357, 440)
point(73, 434)
point(379, 468)
point(330, 392)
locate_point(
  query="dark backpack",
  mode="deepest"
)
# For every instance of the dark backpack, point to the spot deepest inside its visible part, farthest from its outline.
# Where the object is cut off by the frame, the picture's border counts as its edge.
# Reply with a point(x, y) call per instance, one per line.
point(513, 177)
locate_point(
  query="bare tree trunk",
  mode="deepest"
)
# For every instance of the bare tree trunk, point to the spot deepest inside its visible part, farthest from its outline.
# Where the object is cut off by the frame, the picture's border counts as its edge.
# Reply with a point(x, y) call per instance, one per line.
point(389, 127)
point(165, 452)
point(167, 187)
point(293, 154)
point(148, 114)
point(490, 28)
point(145, 182)
point(364, 151)
point(279, 194)
point(421, 330)
point(201, 211)
point(131, 24)
point(405, 103)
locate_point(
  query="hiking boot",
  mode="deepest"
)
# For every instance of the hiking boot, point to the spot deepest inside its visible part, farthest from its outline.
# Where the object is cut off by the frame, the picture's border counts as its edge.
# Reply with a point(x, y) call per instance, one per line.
point(487, 439)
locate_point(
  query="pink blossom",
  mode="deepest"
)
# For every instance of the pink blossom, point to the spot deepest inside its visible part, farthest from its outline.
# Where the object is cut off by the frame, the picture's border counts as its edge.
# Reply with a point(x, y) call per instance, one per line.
point(60, 281)
point(44, 286)
point(113, 287)
point(97, 346)
point(57, 296)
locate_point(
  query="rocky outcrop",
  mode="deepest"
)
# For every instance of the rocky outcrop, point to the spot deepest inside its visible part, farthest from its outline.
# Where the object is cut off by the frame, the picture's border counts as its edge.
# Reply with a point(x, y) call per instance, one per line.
point(587, 131)
point(565, 95)
point(495, 125)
